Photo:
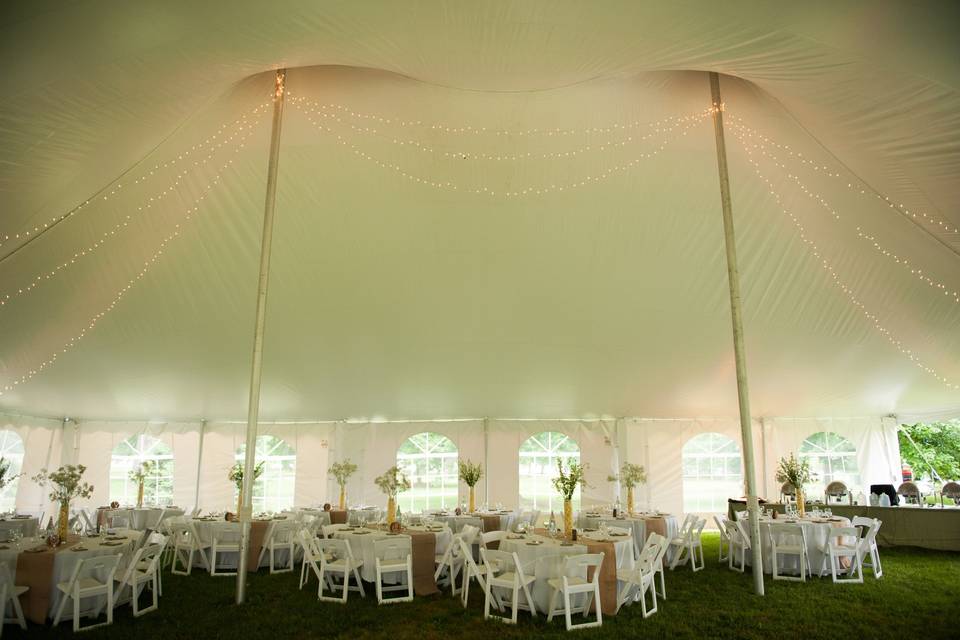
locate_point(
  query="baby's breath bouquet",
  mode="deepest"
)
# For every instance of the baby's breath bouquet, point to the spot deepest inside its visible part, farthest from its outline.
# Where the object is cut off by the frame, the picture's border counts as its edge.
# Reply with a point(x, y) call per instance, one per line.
point(66, 483)
point(566, 484)
point(392, 482)
point(471, 473)
point(139, 474)
point(236, 476)
point(630, 476)
point(5, 476)
point(796, 472)
point(342, 471)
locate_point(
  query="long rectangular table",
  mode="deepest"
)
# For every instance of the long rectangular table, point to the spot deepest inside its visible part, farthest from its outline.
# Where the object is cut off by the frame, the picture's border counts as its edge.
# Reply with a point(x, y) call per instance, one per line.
point(927, 528)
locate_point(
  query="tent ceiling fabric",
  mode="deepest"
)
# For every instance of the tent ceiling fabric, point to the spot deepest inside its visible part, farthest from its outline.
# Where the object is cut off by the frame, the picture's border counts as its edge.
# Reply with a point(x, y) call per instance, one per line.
point(396, 299)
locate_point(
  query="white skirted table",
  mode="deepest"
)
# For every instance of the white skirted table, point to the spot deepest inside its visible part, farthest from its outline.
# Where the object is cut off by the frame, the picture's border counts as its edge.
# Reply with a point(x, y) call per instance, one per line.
point(139, 518)
point(815, 530)
point(27, 526)
point(34, 565)
point(642, 525)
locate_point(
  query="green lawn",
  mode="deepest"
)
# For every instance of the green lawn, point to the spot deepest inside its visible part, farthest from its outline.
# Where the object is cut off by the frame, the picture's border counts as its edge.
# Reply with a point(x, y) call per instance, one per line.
point(918, 597)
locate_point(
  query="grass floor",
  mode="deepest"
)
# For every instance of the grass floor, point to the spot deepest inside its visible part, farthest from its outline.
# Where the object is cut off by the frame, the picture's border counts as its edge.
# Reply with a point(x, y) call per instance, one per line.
point(918, 596)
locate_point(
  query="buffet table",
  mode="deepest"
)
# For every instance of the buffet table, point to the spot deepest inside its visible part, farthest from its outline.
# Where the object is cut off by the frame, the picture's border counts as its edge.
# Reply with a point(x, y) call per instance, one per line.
point(925, 527)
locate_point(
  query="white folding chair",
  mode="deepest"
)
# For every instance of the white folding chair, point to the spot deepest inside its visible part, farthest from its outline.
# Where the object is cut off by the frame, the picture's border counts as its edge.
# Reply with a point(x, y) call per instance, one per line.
point(492, 539)
point(504, 571)
point(310, 559)
point(571, 583)
point(471, 570)
point(186, 542)
point(224, 539)
point(337, 558)
point(789, 540)
point(394, 556)
point(639, 581)
point(688, 544)
point(142, 571)
point(91, 578)
point(837, 548)
point(658, 565)
point(868, 544)
point(330, 529)
point(739, 542)
point(451, 561)
point(721, 522)
point(280, 537)
point(9, 592)
point(87, 520)
point(163, 541)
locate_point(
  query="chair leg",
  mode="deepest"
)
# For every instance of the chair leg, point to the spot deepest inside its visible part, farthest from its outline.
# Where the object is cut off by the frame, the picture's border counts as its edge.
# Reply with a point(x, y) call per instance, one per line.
point(553, 605)
point(533, 607)
point(76, 610)
point(566, 609)
point(486, 601)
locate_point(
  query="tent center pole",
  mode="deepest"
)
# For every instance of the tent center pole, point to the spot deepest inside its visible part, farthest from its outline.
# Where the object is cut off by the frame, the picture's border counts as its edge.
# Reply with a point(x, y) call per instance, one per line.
point(733, 279)
point(253, 409)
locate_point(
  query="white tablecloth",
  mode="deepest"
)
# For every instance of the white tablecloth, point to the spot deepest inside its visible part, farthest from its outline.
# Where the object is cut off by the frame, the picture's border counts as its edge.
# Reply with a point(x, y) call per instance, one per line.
point(361, 544)
point(142, 518)
point(28, 527)
point(547, 560)
point(67, 559)
point(637, 523)
point(816, 533)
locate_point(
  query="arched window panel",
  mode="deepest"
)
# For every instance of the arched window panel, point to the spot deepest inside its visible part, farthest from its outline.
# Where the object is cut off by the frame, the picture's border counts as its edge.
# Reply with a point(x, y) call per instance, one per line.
point(832, 457)
point(11, 448)
point(538, 468)
point(274, 489)
point(712, 473)
point(130, 454)
point(430, 462)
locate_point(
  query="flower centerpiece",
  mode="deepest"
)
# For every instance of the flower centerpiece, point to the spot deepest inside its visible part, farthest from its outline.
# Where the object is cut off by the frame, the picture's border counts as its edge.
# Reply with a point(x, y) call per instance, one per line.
point(66, 483)
point(140, 474)
point(797, 473)
point(342, 471)
point(471, 473)
point(236, 475)
point(566, 484)
point(5, 476)
point(630, 476)
point(392, 482)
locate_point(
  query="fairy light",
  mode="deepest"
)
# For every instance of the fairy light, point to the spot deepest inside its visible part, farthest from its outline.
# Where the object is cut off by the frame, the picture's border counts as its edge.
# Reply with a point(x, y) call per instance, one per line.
point(861, 189)
point(905, 263)
point(182, 156)
point(666, 125)
point(529, 191)
point(469, 129)
point(840, 284)
point(244, 130)
point(189, 214)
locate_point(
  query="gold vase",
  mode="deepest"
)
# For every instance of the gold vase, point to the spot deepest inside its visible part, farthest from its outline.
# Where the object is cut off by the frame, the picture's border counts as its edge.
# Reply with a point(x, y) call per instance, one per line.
point(473, 502)
point(343, 498)
point(567, 519)
point(140, 495)
point(391, 510)
point(63, 525)
point(801, 503)
point(630, 500)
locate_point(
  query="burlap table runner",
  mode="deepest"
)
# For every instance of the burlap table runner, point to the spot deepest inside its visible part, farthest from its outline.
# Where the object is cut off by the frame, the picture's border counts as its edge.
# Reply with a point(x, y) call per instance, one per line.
point(338, 517)
point(424, 550)
point(656, 524)
point(608, 571)
point(608, 574)
point(258, 532)
point(35, 570)
point(490, 523)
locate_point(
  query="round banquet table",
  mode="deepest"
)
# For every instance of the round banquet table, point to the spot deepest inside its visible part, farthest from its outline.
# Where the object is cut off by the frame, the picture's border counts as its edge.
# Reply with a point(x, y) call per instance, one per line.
point(816, 532)
point(426, 544)
point(140, 518)
point(324, 516)
point(43, 571)
point(642, 524)
point(259, 529)
point(28, 527)
point(546, 560)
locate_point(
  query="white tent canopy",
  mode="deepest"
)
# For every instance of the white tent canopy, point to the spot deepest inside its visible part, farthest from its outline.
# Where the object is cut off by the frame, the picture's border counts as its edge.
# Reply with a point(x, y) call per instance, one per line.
point(396, 296)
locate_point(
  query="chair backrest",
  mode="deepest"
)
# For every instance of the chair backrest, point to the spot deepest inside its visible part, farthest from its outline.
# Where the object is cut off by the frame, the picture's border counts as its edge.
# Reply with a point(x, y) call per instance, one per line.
point(336, 547)
point(99, 568)
point(87, 520)
point(721, 521)
point(838, 535)
point(647, 560)
point(731, 529)
point(393, 548)
point(330, 529)
point(225, 532)
point(500, 562)
point(688, 522)
point(862, 521)
point(782, 533)
point(574, 566)
point(282, 531)
point(469, 533)
point(869, 538)
point(492, 536)
point(741, 515)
